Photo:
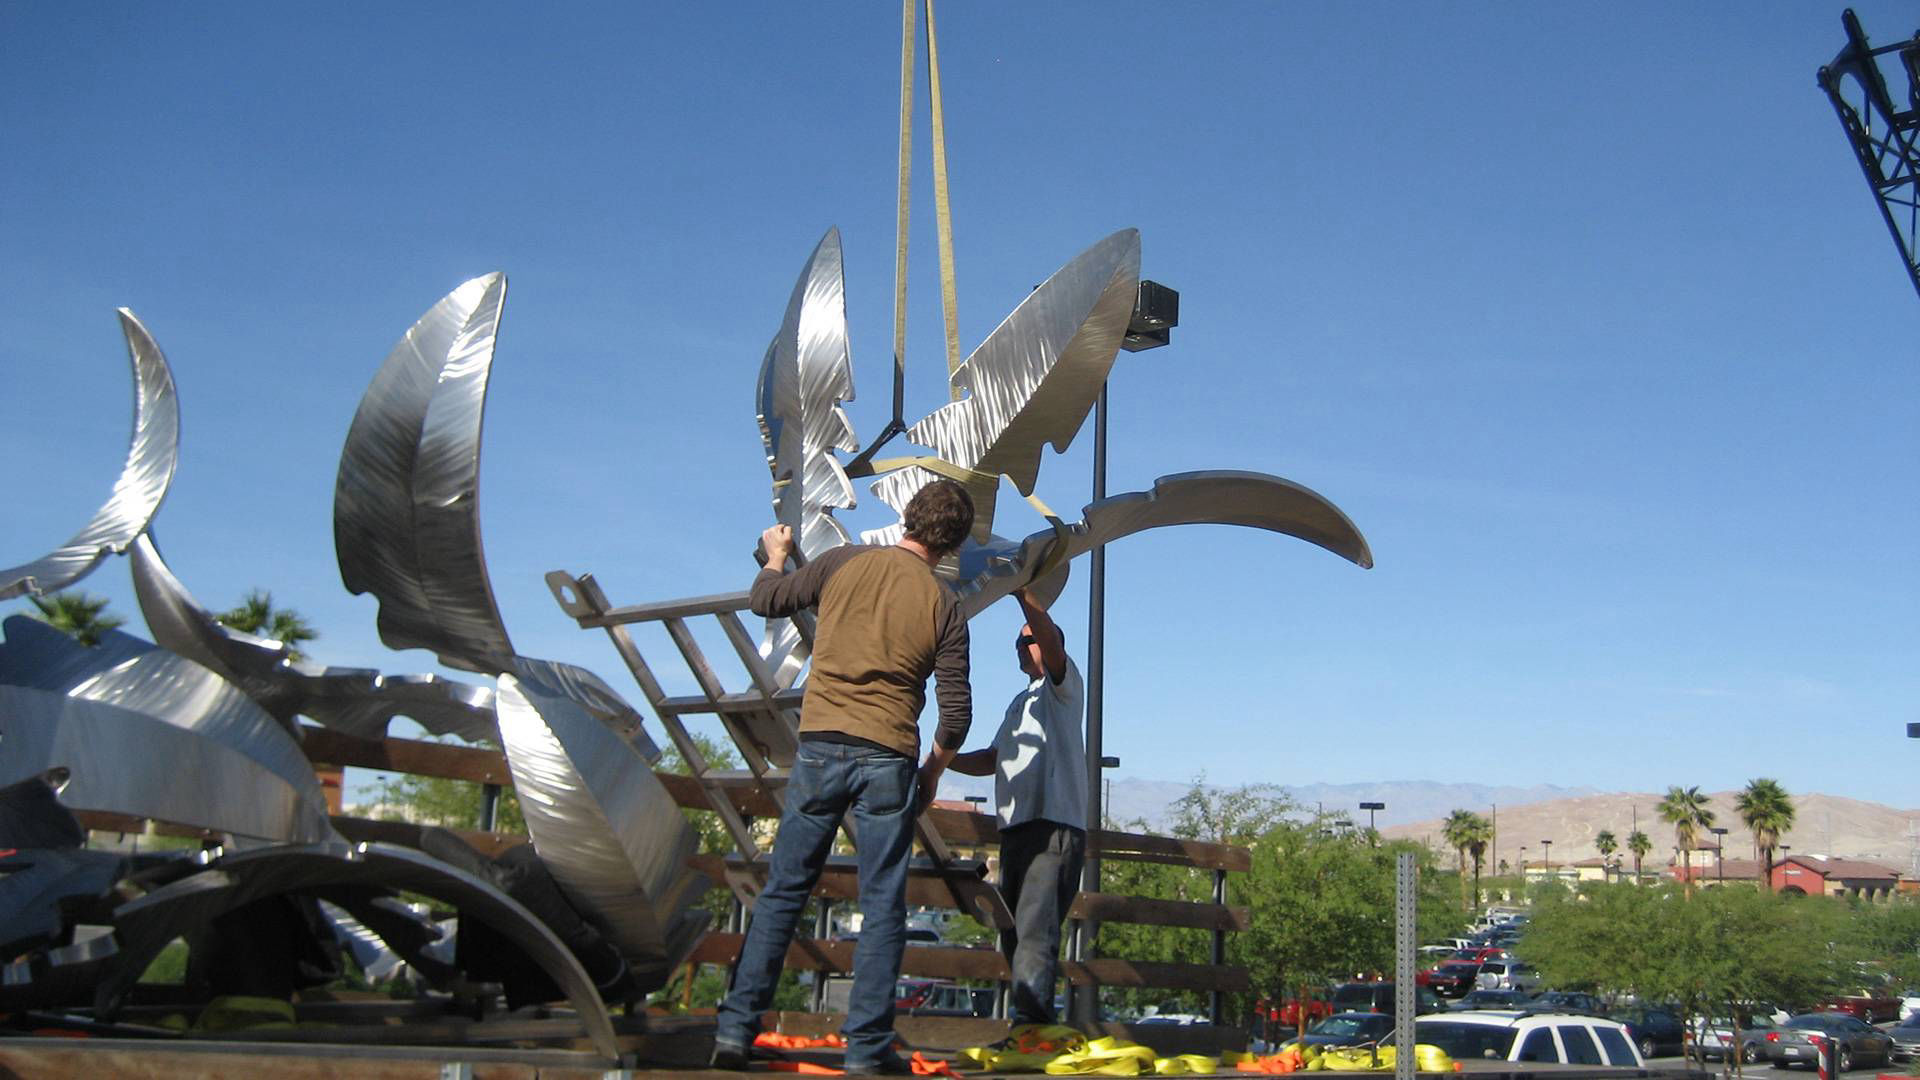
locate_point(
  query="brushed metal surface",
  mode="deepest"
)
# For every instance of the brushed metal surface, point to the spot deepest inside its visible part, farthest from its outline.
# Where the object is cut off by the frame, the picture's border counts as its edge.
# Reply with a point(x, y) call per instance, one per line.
point(357, 701)
point(1032, 381)
point(172, 716)
point(806, 375)
point(596, 813)
point(151, 458)
point(1221, 497)
point(406, 500)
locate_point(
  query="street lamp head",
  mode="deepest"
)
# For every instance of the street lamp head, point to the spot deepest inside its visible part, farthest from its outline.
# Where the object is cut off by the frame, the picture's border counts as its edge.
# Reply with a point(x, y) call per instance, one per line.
point(1156, 311)
point(1373, 806)
point(1913, 729)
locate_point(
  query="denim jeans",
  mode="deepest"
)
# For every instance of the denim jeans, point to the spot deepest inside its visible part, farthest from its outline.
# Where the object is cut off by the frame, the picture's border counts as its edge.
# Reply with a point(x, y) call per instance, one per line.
point(826, 781)
point(1040, 865)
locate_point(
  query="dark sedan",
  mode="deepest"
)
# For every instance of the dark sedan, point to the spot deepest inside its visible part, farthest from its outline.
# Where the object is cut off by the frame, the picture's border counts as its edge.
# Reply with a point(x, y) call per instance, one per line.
point(1860, 1042)
point(1654, 1030)
point(1567, 1001)
point(1350, 1029)
point(1453, 978)
point(1493, 999)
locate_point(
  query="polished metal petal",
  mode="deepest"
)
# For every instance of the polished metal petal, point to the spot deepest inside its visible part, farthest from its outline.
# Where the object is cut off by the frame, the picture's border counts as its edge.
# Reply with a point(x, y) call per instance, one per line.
point(406, 502)
point(805, 376)
point(1032, 381)
point(1221, 497)
point(145, 926)
point(183, 708)
point(354, 700)
point(604, 825)
point(126, 762)
point(143, 483)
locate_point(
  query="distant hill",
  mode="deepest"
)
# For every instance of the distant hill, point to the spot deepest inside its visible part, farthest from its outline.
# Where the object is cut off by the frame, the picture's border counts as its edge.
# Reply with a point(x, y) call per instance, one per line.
point(1825, 825)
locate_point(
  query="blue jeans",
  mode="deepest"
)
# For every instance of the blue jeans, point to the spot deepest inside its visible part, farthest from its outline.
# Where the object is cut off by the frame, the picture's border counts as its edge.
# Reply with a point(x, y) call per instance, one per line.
point(826, 781)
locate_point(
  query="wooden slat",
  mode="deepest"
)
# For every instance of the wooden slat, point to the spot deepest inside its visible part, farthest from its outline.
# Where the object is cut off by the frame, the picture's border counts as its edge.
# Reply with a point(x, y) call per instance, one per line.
point(1145, 910)
point(417, 756)
point(840, 881)
point(369, 831)
point(1138, 847)
point(836, 957)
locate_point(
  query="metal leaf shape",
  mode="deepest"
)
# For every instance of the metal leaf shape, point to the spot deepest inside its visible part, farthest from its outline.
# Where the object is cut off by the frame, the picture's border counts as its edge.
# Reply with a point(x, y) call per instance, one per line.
point(806, 374)
point(406, 520)
point(1221, 497)
point(357, 701)
point(603, 824)
point(151, 458)
point(1032, 381)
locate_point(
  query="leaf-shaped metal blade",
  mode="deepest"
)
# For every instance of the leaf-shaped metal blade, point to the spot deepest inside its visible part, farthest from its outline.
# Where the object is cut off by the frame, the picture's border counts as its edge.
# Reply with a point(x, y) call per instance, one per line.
point(151, 458)
point(1032, 381)
point(406, 523)
point(1220, 497)
point(805, 376)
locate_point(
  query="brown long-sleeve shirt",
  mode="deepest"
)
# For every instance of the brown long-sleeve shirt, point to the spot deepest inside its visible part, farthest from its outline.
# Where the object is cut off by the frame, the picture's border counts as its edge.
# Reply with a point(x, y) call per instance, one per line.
point(885, 623)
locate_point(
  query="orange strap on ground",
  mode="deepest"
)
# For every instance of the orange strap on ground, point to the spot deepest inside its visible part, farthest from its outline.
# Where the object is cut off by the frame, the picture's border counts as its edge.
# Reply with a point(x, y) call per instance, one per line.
point(801, 1067)
point(777, 1041)
point(925, 1066)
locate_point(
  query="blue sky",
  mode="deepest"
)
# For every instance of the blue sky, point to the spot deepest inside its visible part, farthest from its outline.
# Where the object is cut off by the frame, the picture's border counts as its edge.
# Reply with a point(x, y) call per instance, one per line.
point(1583, 314)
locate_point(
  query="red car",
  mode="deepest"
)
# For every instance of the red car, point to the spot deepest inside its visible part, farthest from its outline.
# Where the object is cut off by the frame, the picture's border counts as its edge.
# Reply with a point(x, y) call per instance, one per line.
point(1872, 1006)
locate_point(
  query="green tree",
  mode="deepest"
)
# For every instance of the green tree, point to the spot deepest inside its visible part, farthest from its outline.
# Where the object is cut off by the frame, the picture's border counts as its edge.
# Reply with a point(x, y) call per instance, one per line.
point(256, 615)
point(1606, 844)
point(1686, 810)
point(79, 614)
point(1768, 812)
point(1640, 844)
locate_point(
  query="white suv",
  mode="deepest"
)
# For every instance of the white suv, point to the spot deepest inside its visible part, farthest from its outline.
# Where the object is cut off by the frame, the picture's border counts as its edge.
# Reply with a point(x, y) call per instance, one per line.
point(1500, 1035)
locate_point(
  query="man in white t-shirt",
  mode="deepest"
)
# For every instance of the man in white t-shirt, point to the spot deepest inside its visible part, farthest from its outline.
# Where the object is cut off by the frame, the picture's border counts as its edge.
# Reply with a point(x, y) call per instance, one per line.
point(1039, 764)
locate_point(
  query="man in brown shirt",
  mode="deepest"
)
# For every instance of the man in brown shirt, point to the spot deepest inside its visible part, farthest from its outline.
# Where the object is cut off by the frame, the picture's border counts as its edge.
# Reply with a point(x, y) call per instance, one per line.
point(885, 623)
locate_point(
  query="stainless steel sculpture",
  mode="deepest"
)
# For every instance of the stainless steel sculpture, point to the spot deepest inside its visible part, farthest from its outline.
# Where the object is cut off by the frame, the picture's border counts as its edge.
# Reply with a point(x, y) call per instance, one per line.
point(1031, 382)
point(406, 529)
point(1253, 500)
point(581, 790)
point(150, 734)
point(145, 925)
point(354, 700)
point(804, 378)
point(151, 458)
point(406, 522)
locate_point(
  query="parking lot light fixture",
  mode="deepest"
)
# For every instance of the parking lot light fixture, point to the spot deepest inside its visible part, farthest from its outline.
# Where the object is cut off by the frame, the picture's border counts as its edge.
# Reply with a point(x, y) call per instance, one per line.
point(1913, 729)
point(1372, 836)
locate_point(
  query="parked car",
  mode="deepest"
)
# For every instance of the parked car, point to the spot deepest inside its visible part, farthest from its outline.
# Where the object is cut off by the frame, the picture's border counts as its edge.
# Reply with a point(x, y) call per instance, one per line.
point(1349, 1029)
point(1567, 1001)
point(1522, 1036)
point(1792, 1042)
point(1491, 999)
point(932, 997)
point(1506, 975)
point(1716, 1037)
point(1871, 1004)
point(1453, 978)
point(1656, 1030)
point(1906, 1038)
point(1377, 997)
point(1909, 1003)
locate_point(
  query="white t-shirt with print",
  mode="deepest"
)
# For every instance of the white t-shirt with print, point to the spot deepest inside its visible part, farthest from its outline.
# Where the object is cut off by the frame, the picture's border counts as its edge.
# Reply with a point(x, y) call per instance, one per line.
point(1041, 757)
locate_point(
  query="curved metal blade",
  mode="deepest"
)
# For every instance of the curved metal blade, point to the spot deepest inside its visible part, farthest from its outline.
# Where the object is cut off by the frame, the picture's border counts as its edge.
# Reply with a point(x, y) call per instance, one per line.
point(354, 700)
point(406, 521)
point(151, 458)
point(1221, 497)
point(1032, 381)
point(613, 838)
point(806, 374)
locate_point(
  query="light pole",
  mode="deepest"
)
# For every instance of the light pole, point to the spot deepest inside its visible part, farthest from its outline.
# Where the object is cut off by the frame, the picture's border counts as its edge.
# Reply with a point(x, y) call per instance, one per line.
point(1523, 864)
point(1547, 846)
point(1156, 311)
point(1373, 837)
point(1719, 853)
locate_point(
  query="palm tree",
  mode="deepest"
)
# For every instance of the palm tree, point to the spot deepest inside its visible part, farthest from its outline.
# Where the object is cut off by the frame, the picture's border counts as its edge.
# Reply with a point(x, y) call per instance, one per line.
point(82, 615)
point(1459, 831)
point(1478, 837)
point(257, 615)
point(1767, 809)
point(1606, 844)
point(1686, 810)
point(1640, 845)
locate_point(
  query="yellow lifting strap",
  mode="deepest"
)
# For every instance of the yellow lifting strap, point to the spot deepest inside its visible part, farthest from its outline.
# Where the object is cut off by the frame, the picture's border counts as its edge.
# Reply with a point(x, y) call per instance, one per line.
point(903, 204)
point(942, 209)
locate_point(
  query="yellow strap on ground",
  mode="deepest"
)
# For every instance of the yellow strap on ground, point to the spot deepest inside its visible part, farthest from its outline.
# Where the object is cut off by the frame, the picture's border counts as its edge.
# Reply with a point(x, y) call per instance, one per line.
point(942, 208)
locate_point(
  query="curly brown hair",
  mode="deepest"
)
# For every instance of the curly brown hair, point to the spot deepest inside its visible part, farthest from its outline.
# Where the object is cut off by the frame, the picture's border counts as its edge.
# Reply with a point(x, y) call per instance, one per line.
point(939, 516)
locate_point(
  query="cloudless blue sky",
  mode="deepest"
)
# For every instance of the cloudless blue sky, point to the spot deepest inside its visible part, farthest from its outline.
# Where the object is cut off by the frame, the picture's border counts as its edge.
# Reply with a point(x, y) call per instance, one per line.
point(1583, 313)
